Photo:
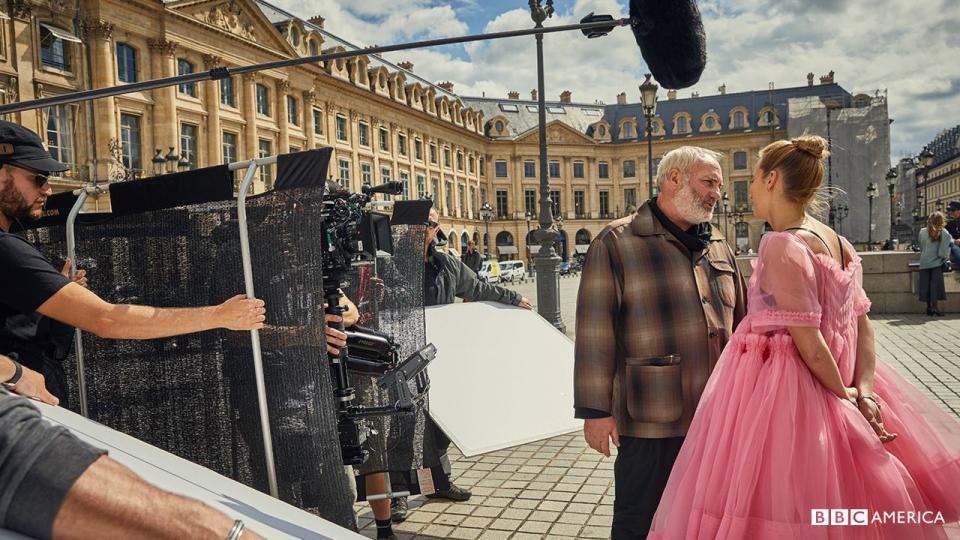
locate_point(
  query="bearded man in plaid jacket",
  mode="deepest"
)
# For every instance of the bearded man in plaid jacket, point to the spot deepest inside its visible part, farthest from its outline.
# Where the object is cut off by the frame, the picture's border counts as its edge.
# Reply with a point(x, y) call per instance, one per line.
point(659, 297)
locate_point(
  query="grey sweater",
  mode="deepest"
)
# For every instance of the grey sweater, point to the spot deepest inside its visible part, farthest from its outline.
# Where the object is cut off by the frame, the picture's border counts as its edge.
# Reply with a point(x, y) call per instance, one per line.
point(454, 279)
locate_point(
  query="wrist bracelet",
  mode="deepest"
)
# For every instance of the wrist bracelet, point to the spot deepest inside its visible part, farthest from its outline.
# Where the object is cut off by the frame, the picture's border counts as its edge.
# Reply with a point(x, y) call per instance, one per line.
point(17, 374)
point(236, 531)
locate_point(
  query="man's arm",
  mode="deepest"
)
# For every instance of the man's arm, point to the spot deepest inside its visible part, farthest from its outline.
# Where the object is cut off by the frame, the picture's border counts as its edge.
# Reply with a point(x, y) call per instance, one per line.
point(598, 302)
point(740, 308)
point(110, 501)
point(469, 287)
point(79, 307)
point(31, 384)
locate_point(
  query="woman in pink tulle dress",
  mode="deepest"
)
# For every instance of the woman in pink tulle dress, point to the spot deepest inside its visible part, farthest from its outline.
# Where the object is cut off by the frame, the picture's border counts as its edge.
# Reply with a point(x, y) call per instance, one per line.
point(790, 421)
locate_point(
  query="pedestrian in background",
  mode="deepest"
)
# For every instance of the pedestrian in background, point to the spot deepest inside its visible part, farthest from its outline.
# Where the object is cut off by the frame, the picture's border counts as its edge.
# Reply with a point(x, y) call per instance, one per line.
point(935, 244)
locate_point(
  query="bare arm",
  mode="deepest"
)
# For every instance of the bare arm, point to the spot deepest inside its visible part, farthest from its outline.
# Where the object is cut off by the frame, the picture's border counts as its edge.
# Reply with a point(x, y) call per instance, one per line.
point(866, 357)
point(30, 385)
point(110, 501)
point(819, 360)
point(79, 307)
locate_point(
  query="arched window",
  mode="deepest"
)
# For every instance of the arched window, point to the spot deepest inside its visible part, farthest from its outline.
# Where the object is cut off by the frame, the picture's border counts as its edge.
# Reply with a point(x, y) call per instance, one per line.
point(602, 131)
point(314, 50)
point(504, 238)
point(295, 36)
point(498, 126)
point(739, 120)
point(682, 125)
point(583, 237)
point(710, 123)
point(464, 238)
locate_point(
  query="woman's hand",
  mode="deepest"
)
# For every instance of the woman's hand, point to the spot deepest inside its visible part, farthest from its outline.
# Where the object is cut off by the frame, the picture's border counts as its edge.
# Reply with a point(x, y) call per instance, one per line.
point(852, 394)
point(870, 410)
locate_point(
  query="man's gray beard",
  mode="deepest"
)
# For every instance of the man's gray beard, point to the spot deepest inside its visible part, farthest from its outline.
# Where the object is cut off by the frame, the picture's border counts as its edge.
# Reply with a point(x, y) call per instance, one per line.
point(690, 205)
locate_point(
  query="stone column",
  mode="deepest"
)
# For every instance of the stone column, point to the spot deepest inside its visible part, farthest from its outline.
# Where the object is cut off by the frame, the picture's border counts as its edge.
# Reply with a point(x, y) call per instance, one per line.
point(165, 123)
point(309, 128)
point(212, 97)
point(566, 172)
point(593, 192)
point(99, 35)
point(249, 110)
point(283, 88)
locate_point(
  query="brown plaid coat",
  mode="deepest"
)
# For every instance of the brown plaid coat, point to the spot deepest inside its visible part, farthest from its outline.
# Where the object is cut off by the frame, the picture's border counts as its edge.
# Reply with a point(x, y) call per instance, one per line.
point(652, 319)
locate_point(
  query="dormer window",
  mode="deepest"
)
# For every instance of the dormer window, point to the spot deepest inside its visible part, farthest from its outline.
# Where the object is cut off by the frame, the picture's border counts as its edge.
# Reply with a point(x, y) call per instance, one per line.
point(295, 36)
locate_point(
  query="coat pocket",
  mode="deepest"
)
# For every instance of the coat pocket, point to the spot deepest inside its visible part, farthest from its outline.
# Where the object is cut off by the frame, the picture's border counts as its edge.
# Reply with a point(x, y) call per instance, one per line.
point(723, 277)
point(654, 389)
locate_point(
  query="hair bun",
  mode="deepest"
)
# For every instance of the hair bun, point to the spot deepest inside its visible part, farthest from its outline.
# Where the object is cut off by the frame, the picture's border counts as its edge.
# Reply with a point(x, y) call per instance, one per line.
point(813, 145)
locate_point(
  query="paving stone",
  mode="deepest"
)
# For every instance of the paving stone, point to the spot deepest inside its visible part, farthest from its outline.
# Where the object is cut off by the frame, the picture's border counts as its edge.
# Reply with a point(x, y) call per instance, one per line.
point(540, 527)
point(526, 504)
point(466, 533)
point(565, 529)
point(595, 532)
point(553, 506)
point(476, 521)
point(438, 531)
point(600, 521)
point(544, 515)
point(504, 524)
point(525, 536)
point(487, 511)
point(574, 519)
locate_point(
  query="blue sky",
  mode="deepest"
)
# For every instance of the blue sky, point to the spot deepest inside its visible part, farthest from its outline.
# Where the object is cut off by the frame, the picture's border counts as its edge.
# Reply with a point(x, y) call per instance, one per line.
point(909, 49)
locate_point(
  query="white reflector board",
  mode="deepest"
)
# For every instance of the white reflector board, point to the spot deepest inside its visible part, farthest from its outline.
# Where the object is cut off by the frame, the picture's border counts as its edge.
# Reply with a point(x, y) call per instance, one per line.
point(271, 518)
point(503, 376)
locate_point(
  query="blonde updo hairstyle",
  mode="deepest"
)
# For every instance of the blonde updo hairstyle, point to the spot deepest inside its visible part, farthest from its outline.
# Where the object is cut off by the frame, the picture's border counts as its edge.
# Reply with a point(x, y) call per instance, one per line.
point(800, 163)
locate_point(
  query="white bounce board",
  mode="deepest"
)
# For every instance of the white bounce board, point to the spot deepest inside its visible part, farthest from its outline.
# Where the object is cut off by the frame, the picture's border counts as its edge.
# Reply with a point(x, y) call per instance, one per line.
point(269, 517)
point(503, 376)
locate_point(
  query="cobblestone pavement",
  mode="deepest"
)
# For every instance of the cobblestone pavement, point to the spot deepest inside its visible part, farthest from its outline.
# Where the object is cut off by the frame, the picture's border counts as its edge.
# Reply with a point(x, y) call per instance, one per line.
point(560, 488)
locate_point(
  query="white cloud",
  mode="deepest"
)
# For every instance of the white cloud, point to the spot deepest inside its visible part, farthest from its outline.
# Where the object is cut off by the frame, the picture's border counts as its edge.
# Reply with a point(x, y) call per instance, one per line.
point(909, 48)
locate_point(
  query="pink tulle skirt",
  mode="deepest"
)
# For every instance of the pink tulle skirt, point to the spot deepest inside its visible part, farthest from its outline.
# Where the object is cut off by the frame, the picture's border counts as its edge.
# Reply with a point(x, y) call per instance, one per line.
point(769, 446)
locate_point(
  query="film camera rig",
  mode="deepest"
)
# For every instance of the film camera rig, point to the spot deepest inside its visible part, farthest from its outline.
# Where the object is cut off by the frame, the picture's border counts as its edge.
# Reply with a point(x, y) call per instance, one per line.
point(353, 235)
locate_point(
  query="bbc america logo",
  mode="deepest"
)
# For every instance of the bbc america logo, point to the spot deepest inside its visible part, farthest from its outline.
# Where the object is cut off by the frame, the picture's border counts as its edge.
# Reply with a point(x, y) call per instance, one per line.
point(863, 517)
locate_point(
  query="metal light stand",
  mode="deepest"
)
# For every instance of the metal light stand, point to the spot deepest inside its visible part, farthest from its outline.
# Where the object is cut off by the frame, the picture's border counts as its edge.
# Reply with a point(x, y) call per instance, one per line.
point(82, 195)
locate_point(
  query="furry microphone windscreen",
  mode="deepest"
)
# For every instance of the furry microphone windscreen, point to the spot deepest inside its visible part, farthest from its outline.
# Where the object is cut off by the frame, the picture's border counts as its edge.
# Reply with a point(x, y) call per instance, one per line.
point(671, 39)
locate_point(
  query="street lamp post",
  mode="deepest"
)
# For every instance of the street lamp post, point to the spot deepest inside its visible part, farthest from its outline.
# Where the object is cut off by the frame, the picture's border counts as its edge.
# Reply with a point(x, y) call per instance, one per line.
point(548, 264)
point(738, 218)
point(891, 188)
point(830, 105)
point(529, 216)
point(924, 161)
point(841, 212)
point(648, 95)
point(872, 193)
point(172, 159)
point(158, 161)
point(486, 213)
point(726, 215)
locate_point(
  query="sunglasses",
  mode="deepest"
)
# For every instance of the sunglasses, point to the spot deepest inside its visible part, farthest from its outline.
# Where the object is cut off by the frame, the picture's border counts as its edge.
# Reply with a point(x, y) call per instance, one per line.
point(38, 179)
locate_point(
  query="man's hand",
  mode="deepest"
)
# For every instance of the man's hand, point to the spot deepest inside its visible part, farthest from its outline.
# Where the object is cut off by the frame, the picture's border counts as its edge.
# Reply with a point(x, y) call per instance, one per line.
point(335, 338)
point(241, 313)
point(80, 278)
point(599, 431)
point(525, 304)
point(31, 385)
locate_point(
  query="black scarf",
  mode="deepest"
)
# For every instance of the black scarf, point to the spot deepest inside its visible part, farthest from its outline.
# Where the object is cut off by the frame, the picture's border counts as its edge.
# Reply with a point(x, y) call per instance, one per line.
point(695, 239)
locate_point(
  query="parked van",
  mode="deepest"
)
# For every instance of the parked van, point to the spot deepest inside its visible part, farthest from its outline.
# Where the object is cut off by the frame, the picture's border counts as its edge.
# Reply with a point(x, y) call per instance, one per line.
point(490, 271)
point(512, 271)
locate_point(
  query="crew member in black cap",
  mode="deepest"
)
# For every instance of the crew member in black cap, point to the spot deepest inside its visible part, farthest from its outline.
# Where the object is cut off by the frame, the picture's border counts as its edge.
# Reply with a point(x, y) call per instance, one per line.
point(953, 227)
point(36, 294)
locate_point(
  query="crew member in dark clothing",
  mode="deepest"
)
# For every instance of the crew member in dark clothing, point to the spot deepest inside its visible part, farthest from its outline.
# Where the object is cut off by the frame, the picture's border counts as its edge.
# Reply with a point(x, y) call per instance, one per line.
point(953, 227)
point(472, 258)
point(445, 278)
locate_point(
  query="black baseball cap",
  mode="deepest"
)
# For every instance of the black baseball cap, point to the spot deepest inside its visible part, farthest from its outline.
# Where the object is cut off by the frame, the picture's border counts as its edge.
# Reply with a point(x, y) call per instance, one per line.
point(953, 205)
point(22, 147)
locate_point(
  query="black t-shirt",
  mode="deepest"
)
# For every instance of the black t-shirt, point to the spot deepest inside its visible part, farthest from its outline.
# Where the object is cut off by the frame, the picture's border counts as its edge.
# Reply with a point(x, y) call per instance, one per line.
point(953, 227)
point(27, 280)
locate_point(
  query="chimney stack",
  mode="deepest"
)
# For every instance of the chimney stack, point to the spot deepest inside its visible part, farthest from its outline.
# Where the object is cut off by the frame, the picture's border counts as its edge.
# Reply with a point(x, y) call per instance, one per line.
point(446, 85)
point(565, 96)
point(406, 64)
point(827, 79)
point(533, 94)
point(694, 94)
point(513, 94)
point(316, 20)
point(723, 89)
point(622, 98)
point(671, 95)
point(810, 79)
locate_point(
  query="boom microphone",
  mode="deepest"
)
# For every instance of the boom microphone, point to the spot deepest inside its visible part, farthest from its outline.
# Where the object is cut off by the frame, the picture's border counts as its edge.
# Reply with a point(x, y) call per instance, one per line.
point(671, 39)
